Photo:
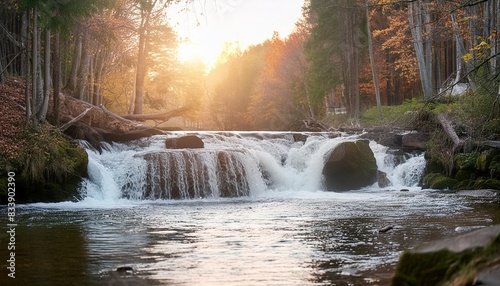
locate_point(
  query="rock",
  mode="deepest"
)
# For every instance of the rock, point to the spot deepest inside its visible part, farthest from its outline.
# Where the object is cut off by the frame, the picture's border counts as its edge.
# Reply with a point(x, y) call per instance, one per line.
point(386, 228)
point(438, 181)
point(184, 142)
point(382, 179)
point(123, 269)
point(350, 166)
point(436, 263)
point(415, 141)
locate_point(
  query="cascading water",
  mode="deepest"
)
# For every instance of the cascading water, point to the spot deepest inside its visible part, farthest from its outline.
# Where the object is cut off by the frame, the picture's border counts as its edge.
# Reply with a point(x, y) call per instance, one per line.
point(230, 165)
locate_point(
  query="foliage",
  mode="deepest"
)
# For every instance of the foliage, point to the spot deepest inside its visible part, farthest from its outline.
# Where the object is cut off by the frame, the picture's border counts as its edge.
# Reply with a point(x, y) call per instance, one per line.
point(400, 116)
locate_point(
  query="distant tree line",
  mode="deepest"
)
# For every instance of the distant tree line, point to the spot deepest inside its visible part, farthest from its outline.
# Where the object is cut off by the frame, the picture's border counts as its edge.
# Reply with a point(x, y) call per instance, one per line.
point(353, 55)
point(343, 58)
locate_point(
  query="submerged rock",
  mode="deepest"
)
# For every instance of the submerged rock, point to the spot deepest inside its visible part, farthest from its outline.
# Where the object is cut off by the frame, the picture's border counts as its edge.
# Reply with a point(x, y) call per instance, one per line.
point(459, 260)
point(184, 142)
point(350, 166)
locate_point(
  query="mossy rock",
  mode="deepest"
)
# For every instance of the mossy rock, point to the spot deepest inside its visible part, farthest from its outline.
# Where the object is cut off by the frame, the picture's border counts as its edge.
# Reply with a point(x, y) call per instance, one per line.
point(463, 175)
point(465, 161)
point(80, 160)
point(439, 181)
point(434, 165)
point(453, 259)
point(48, 169)
point(483, 162)
point(486, 183)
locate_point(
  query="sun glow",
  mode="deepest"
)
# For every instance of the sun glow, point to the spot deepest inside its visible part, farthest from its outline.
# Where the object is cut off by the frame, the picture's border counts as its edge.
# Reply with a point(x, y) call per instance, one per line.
point(192, 51)
point(208, 25)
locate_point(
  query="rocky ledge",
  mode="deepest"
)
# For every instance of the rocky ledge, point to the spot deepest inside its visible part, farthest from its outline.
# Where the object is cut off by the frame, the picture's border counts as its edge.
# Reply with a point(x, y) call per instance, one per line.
point(468, 259)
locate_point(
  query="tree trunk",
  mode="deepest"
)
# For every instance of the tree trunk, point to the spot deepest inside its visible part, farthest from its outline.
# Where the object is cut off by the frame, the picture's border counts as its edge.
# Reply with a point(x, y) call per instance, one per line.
point(372, 60)
point(26, 63)
point(140, 74)
point(56, 80)
point(42, 112)
point(35, 55)
point(415, 14)
point(460, 53)
point(77, 56)
point(84, 66)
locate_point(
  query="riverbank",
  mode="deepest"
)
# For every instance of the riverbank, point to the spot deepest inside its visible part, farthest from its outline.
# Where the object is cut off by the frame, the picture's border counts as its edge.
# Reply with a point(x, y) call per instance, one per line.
point(46, 165)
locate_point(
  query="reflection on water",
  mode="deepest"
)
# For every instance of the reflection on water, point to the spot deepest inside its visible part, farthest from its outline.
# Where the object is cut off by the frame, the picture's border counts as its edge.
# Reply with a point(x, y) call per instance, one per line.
point(309, 239)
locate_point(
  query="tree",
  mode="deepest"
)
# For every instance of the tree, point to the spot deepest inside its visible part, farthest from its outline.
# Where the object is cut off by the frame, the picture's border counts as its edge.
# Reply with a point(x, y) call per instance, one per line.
point(334, 50)
point(150, 12)
point(372, 58)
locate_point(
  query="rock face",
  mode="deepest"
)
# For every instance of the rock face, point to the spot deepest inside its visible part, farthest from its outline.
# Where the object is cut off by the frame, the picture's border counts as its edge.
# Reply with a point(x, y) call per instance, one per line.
point(436, 263)
point(350, 166)
point(184, 142)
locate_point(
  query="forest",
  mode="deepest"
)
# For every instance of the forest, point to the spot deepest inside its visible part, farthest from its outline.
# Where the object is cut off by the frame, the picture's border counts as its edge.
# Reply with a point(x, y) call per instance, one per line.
point(343, 58)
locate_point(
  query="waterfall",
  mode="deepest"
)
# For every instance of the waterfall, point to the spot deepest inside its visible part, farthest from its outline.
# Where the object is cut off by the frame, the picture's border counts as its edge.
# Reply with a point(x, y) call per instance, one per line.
point(231, 165)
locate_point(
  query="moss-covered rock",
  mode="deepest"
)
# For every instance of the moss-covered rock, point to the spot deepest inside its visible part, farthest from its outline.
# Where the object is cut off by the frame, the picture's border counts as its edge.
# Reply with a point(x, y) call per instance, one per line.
point(465, 161)
point(463, 175)
point(350, 166)
point(47, 169)
point(483, 162)
point(486, 183)
point(453, 261)
point(433, 164)
point(438, 181)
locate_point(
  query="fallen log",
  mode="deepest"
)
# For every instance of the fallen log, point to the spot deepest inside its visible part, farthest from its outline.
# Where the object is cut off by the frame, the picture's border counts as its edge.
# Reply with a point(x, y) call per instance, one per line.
point(448, 129)
point(163, 116)
point(458, 143)
point(94, 124)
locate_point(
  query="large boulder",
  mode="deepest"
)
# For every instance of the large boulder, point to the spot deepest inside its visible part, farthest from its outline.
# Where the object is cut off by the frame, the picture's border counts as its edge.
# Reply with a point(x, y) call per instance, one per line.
point(468, 259)
point(350, 166)
point(184, 142)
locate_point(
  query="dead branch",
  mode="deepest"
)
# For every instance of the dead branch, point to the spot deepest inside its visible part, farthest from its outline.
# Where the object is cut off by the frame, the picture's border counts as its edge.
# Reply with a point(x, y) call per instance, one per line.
point(72, 121)
point(448, 129)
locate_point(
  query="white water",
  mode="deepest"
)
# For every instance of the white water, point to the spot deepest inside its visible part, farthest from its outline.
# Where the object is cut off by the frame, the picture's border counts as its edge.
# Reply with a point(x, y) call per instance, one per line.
point(254, 164)
point(285, 230)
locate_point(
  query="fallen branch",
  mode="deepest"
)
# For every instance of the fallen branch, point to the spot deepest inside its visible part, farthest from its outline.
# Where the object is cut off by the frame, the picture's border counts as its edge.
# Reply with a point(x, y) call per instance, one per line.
point(448, 129)
point(163, 116)
point(72, 121)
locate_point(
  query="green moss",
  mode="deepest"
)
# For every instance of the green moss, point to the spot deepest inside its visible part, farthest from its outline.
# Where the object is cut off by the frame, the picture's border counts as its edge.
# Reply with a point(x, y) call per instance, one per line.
point(434, 165)
point(439, 181)
point(485, 183)
point(444, 267)
point(463, 175)
point(465, 161)
point(49, 168)
point(483, 162)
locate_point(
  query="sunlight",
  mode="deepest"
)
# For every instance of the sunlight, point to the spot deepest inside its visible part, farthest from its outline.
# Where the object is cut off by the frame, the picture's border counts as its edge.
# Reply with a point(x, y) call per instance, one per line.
point(191, 51)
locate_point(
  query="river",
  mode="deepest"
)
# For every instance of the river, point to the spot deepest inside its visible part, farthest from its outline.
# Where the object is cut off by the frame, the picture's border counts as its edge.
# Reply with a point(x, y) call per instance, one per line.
point(277, 228)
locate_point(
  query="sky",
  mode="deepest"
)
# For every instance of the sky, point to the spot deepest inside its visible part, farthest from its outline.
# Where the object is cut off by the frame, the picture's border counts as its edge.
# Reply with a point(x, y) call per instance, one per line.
point(208, 24)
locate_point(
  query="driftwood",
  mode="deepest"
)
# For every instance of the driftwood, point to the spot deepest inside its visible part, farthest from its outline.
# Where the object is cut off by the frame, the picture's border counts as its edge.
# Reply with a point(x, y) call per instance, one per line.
point(458, 143)
point(94, 124)
point(163, 116)
point(72, 121)
point(448, 129)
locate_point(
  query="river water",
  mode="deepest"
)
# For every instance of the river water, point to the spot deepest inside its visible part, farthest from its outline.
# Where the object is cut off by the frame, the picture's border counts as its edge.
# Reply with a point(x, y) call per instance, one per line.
point(284, 230)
